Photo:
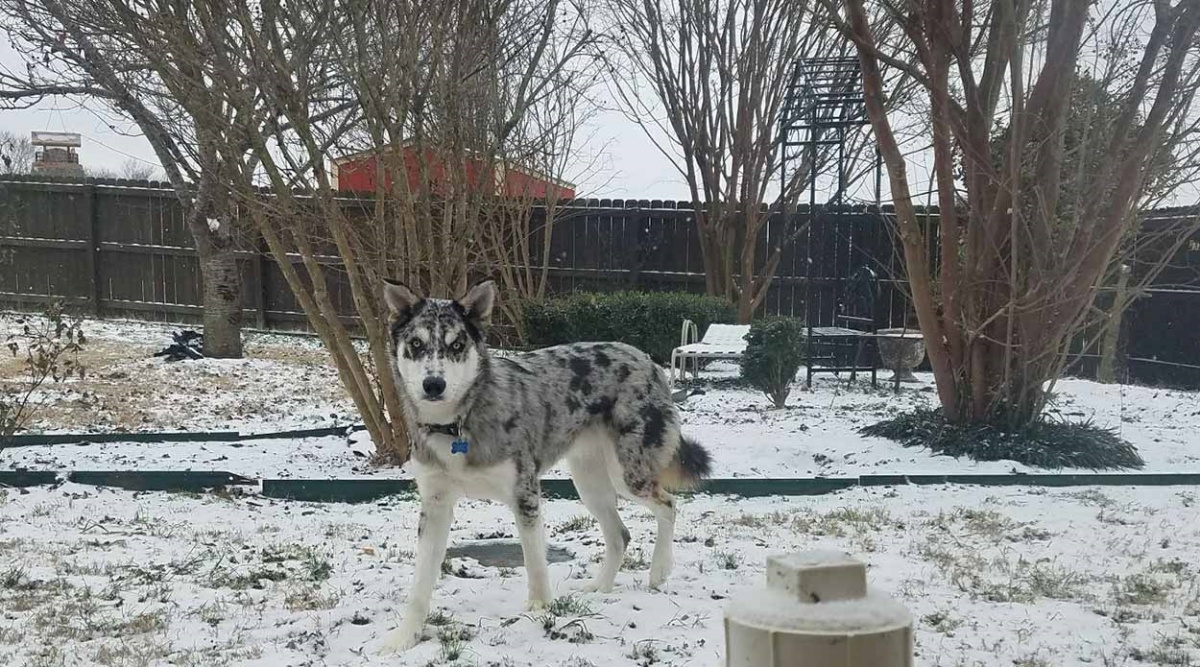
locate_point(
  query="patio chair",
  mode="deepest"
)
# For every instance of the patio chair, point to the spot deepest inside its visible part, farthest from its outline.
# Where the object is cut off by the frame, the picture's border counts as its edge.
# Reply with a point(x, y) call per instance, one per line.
point(721, 341)
point(856, 327)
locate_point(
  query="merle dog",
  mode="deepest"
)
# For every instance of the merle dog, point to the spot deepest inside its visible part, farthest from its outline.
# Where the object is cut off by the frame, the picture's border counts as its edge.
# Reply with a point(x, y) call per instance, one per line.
point(488, 427)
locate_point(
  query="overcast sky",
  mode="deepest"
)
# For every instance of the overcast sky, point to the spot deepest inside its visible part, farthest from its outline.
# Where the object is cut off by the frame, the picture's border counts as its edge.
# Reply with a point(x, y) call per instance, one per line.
point(617, 159)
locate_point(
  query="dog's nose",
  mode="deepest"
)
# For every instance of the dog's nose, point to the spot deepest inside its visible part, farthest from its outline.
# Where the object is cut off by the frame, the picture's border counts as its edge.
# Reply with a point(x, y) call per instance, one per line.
point(433, 386)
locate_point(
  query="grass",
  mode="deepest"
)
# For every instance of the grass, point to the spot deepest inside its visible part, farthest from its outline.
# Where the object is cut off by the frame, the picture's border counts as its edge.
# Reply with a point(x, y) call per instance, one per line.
point(644, 653)
point(569, 605)
point(635, 559)
point(453, 639)
point(309, 597)
point(1046, 443)
point(987, 524)
point(728, 560)
point(941, 621)
point(1000, 579)
point(845, 521)
point(1142, 589)
point(576, 524)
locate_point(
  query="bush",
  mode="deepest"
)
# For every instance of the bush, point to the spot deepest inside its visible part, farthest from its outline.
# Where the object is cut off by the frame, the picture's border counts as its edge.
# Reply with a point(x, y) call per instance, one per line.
point(1045, 443)
point(48, 349)
point(774, 354)
point(649, 321)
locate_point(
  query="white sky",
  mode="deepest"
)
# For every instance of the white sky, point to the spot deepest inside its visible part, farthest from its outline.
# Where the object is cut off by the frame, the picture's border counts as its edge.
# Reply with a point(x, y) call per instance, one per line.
point(616, 160)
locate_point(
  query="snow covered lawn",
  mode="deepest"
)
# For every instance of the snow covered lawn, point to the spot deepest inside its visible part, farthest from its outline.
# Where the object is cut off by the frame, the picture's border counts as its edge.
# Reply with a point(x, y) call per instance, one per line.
point(286, 383)
point(994, 577)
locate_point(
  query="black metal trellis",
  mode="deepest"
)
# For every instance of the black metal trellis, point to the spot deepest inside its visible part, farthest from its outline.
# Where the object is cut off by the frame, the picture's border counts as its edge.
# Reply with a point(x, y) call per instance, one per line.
point(823, 106)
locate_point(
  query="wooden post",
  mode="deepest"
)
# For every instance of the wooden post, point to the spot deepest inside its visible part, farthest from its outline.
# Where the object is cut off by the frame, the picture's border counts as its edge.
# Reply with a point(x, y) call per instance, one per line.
point(1112, 329)
point(260, 294)
point(92, 251)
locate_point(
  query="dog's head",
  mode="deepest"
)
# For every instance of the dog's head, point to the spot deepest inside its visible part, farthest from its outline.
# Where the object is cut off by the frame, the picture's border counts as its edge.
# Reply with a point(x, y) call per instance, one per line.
point(437, 344)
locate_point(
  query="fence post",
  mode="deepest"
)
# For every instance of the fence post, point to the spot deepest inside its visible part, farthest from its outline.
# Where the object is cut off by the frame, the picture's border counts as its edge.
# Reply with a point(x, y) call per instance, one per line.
point(92, 254)
point(260, 295)
point(816, 611)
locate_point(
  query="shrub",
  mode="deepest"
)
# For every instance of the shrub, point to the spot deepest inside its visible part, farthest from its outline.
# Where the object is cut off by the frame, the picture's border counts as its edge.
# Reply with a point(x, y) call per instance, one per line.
point(649, 321)
point(1045, 443)
point(774, 354)
point(48, 349)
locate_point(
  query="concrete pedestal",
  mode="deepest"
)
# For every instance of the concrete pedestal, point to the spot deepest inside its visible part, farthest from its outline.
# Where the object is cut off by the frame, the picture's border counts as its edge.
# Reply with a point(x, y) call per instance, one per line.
point(817, 611)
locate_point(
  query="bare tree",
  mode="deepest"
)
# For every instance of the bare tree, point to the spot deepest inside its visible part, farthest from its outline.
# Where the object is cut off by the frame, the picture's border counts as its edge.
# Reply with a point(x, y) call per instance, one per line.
point(711, 77)
point(440, 99)
point(100, 172)
point(1024, 241)
point(16, 154)
point(114, 52)
point(137, 170)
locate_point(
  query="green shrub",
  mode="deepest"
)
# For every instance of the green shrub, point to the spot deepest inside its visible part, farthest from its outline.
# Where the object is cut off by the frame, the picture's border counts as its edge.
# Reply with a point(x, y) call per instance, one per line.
point(649, 321)
point(1046, 443)
point(774, 354)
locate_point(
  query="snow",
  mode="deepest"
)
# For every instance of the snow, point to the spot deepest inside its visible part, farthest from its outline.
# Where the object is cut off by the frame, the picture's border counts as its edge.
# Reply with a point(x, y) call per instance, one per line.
point(993, 576)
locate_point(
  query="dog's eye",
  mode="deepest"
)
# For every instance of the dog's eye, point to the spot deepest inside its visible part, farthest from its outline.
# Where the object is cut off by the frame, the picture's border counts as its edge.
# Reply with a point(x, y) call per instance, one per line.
point(416, 344)
point(457, 346)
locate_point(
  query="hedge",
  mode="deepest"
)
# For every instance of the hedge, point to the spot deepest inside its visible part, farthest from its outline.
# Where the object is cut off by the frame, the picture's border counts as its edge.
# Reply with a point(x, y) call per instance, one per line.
point(650, 321)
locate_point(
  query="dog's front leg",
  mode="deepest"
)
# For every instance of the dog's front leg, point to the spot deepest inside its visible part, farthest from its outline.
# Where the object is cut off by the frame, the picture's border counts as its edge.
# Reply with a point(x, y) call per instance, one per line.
point(433, 533)
point(527, 507)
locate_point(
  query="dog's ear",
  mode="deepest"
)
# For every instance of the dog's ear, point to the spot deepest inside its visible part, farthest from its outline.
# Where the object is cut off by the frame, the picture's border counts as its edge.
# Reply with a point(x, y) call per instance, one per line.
point(400, 299)
point(479, 301)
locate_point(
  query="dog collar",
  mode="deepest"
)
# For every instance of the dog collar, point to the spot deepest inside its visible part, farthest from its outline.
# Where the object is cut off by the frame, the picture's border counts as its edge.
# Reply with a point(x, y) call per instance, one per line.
point(459, 445)
point(445, 429)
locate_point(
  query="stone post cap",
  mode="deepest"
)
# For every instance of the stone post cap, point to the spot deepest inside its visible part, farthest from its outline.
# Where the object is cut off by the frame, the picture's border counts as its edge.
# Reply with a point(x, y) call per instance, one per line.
point(817, 576)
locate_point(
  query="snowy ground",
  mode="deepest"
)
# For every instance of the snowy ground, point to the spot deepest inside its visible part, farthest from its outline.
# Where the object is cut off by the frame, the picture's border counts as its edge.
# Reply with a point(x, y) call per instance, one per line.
point(1002, 577)
point(993, 576)
point(286, 383)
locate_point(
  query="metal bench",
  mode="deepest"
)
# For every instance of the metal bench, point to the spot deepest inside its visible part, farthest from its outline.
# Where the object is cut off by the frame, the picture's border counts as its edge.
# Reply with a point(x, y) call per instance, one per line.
point(856, 308)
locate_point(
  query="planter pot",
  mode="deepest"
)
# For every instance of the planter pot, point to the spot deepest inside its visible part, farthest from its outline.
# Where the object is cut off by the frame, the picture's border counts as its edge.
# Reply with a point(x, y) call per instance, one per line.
point(901, 350)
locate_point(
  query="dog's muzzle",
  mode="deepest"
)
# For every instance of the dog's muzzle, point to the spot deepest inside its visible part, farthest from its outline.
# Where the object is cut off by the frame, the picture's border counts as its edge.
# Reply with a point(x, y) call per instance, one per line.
point(434, 388)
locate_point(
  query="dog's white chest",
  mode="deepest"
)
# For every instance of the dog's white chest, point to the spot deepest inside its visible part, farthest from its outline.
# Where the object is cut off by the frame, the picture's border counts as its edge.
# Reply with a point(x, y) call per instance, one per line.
point(496, 482)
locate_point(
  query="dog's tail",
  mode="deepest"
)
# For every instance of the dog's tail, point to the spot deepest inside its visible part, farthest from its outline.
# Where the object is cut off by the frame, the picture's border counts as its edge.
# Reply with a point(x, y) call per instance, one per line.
point(691, 465)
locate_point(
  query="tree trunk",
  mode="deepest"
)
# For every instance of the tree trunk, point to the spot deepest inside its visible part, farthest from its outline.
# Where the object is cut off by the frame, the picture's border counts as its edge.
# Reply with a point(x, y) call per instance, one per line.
point(222, 292)
point(1112, 329)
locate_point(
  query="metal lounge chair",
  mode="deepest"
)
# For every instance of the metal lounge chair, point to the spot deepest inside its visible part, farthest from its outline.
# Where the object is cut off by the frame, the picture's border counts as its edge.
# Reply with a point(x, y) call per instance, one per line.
point(721, 341)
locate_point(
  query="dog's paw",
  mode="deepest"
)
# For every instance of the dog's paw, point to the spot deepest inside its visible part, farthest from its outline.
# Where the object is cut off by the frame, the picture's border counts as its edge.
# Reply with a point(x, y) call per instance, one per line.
point(596, 586)
point(401, 640)
point(659, 571)
point(536, 604)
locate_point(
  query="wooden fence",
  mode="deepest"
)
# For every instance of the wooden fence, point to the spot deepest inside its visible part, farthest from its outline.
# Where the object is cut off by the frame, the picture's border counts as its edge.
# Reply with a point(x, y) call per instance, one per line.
point(124, 251)
point(119, 249)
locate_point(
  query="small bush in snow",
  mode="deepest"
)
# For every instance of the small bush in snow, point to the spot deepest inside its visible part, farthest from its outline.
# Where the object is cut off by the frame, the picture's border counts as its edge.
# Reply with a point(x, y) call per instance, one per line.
point(49, 352)
point(774, 354)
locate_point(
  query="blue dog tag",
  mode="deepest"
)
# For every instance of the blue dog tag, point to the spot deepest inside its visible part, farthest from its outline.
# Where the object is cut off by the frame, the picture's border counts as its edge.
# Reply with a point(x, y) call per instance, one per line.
point(459, 446)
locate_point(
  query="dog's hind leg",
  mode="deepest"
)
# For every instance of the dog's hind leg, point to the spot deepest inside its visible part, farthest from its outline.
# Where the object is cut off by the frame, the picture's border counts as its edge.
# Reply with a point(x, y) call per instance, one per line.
point(433, 534)
point(662, 504)
point(595, 487)
point(640, 452)
point(527, 508)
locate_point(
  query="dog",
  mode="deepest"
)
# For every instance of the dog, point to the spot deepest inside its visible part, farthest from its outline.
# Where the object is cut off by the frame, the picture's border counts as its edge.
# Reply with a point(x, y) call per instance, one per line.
point(488, 427)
